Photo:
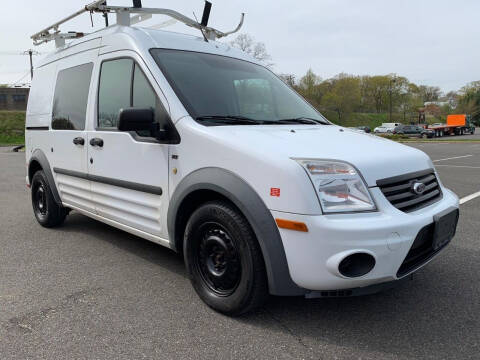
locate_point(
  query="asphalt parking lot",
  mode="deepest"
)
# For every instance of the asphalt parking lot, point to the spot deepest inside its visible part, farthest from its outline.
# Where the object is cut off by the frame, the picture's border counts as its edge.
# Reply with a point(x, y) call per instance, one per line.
point(89, 291)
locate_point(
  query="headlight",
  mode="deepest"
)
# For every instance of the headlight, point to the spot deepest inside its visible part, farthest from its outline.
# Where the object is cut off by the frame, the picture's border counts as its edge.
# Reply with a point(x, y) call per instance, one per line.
point(339, 186)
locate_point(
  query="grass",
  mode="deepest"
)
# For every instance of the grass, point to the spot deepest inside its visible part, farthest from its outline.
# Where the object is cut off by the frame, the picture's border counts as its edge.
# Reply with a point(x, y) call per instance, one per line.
point(12, 127)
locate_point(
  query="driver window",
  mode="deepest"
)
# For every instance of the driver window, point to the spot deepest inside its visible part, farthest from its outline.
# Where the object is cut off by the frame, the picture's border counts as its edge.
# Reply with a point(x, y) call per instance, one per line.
point(122, 85)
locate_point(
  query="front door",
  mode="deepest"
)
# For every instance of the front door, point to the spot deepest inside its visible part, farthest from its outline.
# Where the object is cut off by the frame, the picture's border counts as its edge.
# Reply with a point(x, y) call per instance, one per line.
point(128, 171)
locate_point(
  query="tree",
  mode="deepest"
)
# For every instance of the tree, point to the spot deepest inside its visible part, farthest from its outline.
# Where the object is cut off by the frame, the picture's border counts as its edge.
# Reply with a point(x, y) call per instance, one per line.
point(429, 93)
point(258, 50)
point(308, 87)
point(375, 91)
point(469, 100)
point(288, 79)
point(452, 98)
point(343, 96)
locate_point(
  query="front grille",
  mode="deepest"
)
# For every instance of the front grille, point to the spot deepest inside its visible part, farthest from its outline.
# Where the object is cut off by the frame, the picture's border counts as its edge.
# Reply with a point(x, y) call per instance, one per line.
point(399, 190)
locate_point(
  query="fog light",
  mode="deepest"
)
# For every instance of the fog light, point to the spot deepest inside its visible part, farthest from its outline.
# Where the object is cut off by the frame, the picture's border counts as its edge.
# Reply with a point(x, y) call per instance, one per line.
point(356, 265)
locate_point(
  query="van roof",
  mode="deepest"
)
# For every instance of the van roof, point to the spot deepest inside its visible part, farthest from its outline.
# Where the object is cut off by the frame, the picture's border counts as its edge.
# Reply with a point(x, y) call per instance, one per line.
point(141, 40)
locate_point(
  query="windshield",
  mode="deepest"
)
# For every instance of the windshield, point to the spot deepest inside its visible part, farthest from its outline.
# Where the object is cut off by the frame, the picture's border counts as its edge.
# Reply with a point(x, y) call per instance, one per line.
point(214, 87)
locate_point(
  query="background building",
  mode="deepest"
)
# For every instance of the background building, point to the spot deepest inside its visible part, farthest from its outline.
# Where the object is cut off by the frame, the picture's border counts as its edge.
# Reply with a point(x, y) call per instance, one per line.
point(14, 98)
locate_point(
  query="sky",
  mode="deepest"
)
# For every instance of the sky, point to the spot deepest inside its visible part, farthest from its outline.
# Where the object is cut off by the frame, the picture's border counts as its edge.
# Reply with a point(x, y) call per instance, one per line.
point(431, 42)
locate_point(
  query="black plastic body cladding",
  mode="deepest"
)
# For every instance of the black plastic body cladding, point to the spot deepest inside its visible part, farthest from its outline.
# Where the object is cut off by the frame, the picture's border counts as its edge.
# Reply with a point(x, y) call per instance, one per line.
point(40, 157)
point(244, 197)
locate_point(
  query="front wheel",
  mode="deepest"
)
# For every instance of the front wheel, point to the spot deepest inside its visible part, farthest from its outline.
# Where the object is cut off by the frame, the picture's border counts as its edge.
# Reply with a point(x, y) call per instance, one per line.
point(224, 260)
point(47, 212)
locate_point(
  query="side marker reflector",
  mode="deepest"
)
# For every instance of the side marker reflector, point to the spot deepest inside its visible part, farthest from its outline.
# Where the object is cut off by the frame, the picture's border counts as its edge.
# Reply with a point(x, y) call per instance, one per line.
point(292, 225)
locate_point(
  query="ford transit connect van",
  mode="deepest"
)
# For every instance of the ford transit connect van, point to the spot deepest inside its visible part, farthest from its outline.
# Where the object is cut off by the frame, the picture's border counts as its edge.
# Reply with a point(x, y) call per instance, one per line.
point(194, 145)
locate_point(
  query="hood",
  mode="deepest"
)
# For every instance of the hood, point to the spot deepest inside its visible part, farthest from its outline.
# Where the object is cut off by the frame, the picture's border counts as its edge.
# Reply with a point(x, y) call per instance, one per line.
point(375, 157)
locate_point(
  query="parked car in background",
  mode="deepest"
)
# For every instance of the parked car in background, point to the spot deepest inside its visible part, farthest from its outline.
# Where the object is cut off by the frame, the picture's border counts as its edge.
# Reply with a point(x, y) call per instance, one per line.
point(391, 125)
point(365, 129)
point(413, 130)
point(386, 128)
point(361, 129)
point(383, 130)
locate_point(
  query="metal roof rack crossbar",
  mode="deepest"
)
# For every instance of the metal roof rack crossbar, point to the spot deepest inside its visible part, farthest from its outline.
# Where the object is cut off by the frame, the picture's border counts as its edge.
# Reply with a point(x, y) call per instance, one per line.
point(123, 13)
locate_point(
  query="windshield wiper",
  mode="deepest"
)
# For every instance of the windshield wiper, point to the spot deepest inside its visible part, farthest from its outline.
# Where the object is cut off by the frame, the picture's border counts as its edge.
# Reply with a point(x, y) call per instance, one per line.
point(302, 120)
point(230, 120)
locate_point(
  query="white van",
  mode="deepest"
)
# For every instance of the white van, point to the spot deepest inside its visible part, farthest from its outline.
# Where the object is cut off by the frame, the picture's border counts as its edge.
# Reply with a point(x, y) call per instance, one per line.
point(194, 145)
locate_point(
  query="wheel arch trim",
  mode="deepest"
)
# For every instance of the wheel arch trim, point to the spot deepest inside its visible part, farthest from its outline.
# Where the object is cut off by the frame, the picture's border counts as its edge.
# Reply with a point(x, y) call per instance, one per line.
point(39, 157)
point(245, 198)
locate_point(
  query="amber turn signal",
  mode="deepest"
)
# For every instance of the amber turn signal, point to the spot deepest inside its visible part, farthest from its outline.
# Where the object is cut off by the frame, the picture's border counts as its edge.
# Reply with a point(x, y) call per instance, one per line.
point(292, 225)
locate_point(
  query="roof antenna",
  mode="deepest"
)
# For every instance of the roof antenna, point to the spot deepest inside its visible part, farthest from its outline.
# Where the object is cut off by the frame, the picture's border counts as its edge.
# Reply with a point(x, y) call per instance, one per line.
point(205, 17)
point(201, 29)
point(206, 13)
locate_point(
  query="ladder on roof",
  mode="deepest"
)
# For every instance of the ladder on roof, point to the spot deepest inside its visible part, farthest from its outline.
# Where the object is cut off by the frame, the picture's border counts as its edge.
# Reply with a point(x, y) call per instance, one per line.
point(52, 32)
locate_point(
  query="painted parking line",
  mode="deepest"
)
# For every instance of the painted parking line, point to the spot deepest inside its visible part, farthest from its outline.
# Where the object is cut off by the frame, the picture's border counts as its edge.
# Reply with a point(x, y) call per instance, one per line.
point(451, 158)
point(459, 166)
point(469, 197)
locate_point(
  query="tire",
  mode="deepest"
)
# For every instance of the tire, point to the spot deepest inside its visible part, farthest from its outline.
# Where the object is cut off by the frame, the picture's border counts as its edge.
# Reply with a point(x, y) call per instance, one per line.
point(422, 136)
point(389, 131)
point(47, 212)
point(223, 259)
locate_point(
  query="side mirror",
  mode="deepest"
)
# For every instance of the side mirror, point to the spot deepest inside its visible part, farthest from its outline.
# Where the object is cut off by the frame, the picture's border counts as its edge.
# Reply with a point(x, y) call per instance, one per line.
point(136, 119)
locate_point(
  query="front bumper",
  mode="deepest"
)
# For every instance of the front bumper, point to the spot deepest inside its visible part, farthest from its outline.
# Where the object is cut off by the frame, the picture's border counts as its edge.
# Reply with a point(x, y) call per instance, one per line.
point(388, 234)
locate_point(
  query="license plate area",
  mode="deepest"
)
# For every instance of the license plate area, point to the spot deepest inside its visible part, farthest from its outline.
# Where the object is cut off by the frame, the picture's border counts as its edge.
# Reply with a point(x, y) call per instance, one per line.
point(445, 227)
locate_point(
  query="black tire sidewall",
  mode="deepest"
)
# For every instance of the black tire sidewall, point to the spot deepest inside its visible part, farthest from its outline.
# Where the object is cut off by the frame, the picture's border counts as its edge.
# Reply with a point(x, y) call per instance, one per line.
point(243, 239)
point(55, 215)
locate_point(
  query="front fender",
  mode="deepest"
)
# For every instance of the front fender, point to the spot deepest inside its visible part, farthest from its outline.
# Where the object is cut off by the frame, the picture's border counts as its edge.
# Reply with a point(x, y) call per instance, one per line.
point(245, 198)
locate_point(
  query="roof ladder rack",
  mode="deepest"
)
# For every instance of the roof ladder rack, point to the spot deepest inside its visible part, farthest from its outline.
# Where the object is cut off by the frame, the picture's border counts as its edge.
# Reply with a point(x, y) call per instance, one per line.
point(123, 13)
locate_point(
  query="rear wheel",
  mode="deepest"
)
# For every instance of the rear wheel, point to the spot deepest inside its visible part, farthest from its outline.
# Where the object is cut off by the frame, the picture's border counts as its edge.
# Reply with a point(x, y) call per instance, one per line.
point(47, 212)
point(224, 260)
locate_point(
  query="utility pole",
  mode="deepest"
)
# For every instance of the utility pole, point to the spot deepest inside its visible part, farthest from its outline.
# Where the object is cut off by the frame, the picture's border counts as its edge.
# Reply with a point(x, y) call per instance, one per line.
point(30, 53)
point(392, 80)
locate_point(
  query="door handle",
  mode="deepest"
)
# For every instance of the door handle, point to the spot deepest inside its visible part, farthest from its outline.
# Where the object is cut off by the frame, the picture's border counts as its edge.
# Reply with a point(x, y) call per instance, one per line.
point(79, 141)
point(96, 142)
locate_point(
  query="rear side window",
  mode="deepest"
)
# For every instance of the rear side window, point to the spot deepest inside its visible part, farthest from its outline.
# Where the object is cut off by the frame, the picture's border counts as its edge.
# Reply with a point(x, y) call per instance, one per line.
point(71, 97)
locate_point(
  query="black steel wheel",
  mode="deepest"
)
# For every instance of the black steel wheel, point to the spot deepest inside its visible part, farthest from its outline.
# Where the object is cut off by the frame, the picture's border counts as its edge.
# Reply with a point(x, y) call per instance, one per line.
point(224, 260)
point(218, 261)
point(47, 212)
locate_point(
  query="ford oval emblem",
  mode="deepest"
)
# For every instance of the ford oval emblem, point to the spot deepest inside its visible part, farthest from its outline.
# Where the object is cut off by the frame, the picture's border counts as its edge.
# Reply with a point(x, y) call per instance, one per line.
point(418, 188)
